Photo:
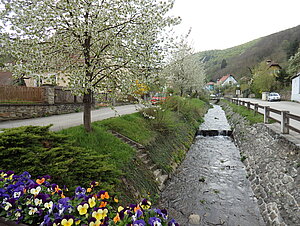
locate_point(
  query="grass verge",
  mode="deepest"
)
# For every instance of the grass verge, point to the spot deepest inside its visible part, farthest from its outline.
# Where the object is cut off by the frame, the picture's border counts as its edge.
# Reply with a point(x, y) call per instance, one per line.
point(74, 157)
point(245, 112)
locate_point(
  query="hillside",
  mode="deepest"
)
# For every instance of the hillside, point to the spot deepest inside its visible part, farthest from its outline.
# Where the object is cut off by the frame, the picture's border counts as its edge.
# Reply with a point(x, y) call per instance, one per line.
point(239, 59)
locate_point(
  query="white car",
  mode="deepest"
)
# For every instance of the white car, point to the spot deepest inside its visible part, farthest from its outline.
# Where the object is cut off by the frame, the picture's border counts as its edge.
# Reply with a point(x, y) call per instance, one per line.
point(273, 97)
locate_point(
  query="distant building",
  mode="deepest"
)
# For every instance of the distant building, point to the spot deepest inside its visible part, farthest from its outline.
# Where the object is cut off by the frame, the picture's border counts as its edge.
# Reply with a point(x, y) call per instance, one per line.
point(296, 87)
point(274, 68)
point(210, 86)
point(227, 80)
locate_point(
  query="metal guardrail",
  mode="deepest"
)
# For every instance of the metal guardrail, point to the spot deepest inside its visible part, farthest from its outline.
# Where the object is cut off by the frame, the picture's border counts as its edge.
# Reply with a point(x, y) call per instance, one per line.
point(284, 119)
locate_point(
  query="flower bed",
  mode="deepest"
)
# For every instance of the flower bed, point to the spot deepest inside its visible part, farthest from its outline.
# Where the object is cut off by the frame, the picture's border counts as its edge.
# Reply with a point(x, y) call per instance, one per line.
point(38, 202)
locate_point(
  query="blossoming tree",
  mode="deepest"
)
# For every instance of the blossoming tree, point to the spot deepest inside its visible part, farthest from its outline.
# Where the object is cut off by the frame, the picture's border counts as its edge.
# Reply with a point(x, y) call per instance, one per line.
point(97, 45)
point(185, 72)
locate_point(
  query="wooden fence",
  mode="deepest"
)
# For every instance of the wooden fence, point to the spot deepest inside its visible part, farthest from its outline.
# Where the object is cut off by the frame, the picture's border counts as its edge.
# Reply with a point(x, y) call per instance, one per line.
point(285, 116)
point(21, 94)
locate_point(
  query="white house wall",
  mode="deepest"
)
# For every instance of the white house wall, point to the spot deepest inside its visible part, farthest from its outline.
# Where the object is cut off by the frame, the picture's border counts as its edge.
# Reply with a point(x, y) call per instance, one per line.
point(229, 80)
point(296, 88)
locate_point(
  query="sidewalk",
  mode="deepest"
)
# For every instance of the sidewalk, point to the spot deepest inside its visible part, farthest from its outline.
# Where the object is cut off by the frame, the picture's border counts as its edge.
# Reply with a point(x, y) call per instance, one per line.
point(292, 136)
point(73, 119)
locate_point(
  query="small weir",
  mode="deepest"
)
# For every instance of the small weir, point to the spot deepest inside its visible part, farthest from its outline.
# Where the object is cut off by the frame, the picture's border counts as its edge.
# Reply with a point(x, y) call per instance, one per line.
point(211, 187)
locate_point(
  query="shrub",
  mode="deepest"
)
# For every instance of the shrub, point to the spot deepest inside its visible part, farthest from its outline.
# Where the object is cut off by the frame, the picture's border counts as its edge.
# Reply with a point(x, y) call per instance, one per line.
point(37, 150)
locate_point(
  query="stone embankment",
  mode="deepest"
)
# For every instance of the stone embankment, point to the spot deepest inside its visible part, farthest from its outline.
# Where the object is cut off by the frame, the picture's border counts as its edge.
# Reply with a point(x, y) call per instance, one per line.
point(273, 166)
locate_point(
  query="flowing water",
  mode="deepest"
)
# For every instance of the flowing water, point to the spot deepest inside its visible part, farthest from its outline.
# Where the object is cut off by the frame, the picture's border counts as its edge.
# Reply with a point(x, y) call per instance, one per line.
point(210, 187)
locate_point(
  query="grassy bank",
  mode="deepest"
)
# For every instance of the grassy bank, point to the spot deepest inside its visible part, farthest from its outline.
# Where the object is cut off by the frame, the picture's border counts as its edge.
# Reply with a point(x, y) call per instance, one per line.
point(245, 112)
point(74, 157)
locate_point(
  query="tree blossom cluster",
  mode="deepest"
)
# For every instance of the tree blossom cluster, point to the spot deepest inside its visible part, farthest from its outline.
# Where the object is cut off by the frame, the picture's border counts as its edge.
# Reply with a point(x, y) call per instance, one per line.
point(38, 202)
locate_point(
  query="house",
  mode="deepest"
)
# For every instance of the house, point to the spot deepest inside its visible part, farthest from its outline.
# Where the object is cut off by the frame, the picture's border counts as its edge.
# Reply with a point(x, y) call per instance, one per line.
point(274, 68)
point(210, 86)
point(227, 80)
point(296, 87)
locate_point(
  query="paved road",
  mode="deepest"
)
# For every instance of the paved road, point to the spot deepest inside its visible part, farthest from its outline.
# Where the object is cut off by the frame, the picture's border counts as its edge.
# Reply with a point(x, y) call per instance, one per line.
point(69, 120)
point(292, 107)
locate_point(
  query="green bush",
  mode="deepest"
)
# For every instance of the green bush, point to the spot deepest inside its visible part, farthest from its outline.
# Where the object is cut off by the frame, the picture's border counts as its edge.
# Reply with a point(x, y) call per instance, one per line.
point(39, 151)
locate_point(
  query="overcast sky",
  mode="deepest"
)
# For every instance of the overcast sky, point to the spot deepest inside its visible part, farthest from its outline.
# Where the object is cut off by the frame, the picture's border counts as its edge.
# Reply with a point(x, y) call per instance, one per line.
point(221, 24)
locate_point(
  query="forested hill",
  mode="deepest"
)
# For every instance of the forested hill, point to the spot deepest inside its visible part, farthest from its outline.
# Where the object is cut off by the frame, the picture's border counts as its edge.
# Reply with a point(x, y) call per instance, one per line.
point(239, 60)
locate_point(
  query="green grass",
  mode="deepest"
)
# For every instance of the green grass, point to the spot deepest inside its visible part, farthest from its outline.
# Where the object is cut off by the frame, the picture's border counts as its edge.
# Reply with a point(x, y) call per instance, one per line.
point(101, 142)
point(74, 157)
point(245, 112)
point(133, 126)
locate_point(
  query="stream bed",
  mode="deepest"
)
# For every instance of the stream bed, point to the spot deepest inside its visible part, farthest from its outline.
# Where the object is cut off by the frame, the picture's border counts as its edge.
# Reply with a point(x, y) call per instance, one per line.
point(211, 187)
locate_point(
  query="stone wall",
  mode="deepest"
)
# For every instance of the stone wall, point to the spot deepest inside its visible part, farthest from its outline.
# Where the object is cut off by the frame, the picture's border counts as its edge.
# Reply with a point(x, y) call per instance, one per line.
point(273, 166)
point(21, 111)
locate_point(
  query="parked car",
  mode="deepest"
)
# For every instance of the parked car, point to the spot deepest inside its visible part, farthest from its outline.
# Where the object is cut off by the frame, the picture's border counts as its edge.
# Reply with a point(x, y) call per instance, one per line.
point(158, 98)
point(273, 97)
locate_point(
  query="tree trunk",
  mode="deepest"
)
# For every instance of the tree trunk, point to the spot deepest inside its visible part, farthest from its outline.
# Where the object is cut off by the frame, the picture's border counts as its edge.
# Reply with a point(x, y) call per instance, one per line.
point(87, 117)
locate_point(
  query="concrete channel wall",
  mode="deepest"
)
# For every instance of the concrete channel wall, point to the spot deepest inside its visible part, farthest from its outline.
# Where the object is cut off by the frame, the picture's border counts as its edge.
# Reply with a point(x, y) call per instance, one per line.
point(273, 167)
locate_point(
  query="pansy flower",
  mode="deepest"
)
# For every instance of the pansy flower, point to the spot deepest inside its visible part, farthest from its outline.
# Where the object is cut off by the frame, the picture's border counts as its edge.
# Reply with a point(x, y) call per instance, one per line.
point(92, 202)
point(48, 205)
point(154, 221)
point(162, 213)
point(7, 205)
point(117, 218)
point(103, 204)
point(82, 209)
point(32, 210)
point(38, 202)
point(67, 220)
point(80, 192)
point(46, 221)
point(173, 223)
point(139, 223)
point(145, 204)
point(137, 214)
point(94, 222)
point(35, 191)
point(100, 214)
point(103, 195)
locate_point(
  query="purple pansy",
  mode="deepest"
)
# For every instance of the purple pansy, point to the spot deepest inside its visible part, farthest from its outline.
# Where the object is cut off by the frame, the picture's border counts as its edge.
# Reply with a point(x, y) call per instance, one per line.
point(139, 223)
point(154, 221)
point(173, 223)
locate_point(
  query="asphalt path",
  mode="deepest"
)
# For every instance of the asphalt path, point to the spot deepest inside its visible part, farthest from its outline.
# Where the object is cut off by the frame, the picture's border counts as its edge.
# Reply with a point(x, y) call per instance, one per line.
point(292, 107)
point(74, 119)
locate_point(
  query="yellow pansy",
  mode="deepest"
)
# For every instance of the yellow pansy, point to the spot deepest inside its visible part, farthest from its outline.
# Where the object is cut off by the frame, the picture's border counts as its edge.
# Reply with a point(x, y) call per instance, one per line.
point(82, 209)
point(92, 202)
point(97, 223)
point(66, 222)
point(120, 208)
point(100, 214)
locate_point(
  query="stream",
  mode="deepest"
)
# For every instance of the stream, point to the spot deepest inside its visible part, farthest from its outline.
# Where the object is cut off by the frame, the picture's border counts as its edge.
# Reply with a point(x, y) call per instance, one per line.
point(211, 187)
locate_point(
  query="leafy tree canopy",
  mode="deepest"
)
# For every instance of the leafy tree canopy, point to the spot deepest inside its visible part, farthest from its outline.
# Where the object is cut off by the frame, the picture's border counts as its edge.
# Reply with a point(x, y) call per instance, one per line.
point(98, 45)
point(294, 64)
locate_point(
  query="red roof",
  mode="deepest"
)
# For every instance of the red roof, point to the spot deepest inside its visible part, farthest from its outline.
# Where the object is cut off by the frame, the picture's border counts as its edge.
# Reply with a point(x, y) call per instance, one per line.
point(223, 79)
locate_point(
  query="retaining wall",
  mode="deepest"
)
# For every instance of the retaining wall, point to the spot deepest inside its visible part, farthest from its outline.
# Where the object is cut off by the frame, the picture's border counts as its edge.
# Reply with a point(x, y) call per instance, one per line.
point(22, 111)
point(273, 166)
